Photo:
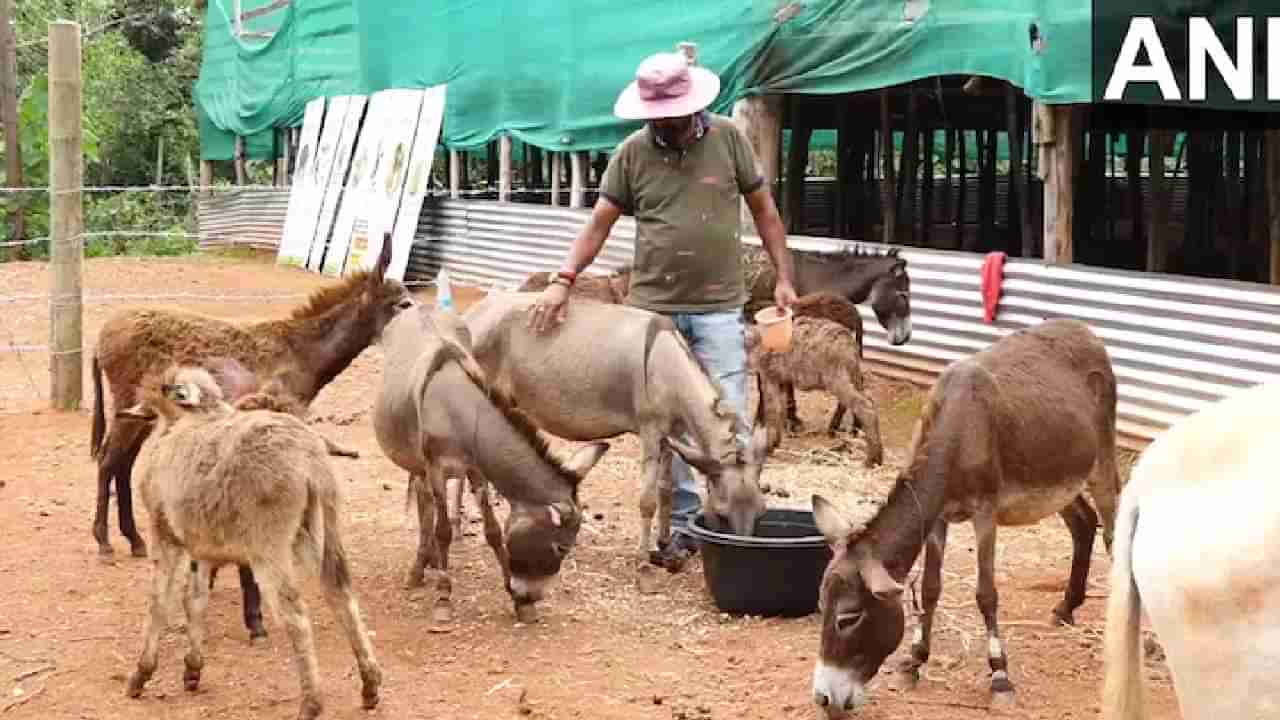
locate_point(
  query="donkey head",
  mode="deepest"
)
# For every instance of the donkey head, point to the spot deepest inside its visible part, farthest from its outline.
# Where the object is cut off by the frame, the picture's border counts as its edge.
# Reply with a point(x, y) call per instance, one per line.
point(733, 484)
point(382, 297)
point(177, 391)
point(862, 618)
point(540, 536)
point(890, 299)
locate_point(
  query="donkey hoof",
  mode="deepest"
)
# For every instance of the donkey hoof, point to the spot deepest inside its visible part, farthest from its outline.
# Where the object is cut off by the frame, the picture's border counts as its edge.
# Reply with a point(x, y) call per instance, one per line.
point(311, 708)
point(1002, 693)
point(105, 550)
point(1061, 617)
point(526, 613)
point(442, 614)
point(137, 681)
point(257, 632)
point(139, 549)
point(191, 680)
point(1003, 700)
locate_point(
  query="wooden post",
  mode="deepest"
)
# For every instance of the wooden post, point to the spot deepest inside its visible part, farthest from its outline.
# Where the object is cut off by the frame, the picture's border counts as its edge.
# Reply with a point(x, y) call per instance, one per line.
point(760, 119)
point(911, 163)
point(557, 169)
point(889, 208)
point(1158, 218)
point(239, 161)
point(1056, 134)
point(504, 168)
point(455, 174)
point(1018, 185)
point(159, 161)
point(577, 182)
point(962, 190)
point(1272, 159)
point(9, 111)
point(66, 171)
point(206, 177)
point(797, 161)
point(282, 159)
point(926, 187)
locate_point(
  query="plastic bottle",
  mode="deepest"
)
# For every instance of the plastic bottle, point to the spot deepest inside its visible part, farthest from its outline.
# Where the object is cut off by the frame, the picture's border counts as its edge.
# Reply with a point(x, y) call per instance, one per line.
point(444, 291)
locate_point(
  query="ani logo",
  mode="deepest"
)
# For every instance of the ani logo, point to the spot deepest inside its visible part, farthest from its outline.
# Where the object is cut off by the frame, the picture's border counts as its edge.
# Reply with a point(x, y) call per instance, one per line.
point(1203, 47)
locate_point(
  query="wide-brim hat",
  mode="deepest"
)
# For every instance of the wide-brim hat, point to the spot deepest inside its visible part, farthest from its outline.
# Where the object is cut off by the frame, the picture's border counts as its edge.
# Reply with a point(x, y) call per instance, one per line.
point(666, 86)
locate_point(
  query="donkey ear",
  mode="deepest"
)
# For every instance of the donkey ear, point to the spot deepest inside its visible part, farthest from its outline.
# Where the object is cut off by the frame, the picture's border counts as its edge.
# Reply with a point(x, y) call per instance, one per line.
point(384, 261)
point(692, 455)
point(581, 462)
point(834, 528)
point(878, 580)
point(561, 513)
point(137, 412)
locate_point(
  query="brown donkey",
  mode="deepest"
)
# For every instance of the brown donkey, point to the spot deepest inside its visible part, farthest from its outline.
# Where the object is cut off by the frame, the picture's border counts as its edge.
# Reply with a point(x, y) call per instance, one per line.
point(1008, 436)
point(305, 351)
point(285, 518)
point(438, 417)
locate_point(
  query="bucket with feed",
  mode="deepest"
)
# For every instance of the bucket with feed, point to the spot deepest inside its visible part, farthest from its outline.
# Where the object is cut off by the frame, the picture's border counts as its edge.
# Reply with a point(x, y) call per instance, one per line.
point(775, 572)
point(774, 324)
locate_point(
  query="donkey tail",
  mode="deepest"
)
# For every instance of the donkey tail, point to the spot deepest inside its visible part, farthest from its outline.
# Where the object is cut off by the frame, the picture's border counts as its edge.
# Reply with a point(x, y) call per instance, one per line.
point(334, 571)
point(99, 413)
point(1122, 690)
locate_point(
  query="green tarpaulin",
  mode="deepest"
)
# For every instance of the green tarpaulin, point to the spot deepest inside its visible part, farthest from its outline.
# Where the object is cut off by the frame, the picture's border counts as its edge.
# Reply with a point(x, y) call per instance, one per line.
point(548, 72)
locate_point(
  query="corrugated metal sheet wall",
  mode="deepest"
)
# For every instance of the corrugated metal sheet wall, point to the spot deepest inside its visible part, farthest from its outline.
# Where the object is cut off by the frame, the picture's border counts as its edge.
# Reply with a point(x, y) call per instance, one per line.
point(242, 217)
point(1177, 343)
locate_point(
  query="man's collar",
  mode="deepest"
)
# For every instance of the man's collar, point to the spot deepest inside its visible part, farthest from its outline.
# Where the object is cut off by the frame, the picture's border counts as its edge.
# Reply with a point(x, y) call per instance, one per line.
point(701, 122)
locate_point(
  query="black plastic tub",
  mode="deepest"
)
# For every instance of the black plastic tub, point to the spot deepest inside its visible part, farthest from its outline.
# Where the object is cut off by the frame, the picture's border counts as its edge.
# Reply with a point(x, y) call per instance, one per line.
point(775, 572)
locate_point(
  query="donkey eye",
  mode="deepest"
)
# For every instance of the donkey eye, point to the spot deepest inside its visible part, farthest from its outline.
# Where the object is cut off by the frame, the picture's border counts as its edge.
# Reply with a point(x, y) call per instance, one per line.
point(846, 622)
point(560, 549)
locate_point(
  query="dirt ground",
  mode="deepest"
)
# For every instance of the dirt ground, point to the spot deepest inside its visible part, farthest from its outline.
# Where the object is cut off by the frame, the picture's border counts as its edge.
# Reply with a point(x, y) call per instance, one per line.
point(70, 624)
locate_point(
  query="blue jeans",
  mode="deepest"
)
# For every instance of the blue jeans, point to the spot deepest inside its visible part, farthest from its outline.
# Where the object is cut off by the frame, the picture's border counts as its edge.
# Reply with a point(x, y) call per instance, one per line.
point(718, 340)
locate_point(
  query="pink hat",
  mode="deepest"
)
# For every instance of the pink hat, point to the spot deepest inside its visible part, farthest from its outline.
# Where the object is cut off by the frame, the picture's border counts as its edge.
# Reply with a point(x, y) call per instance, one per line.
point(666, 86)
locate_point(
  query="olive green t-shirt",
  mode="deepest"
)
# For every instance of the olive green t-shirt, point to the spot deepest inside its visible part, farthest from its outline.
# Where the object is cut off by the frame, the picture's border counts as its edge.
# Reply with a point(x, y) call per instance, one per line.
point(688, 243)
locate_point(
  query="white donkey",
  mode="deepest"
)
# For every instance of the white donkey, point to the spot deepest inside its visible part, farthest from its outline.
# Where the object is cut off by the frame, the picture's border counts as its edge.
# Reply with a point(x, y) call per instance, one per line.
point(1196, 538)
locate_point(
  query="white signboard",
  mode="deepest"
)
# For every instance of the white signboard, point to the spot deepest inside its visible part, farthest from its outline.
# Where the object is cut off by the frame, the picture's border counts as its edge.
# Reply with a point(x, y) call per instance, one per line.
point(378, 204)
point(341, 161)
point(359, 183)
point(295, 240)
point(419, 180)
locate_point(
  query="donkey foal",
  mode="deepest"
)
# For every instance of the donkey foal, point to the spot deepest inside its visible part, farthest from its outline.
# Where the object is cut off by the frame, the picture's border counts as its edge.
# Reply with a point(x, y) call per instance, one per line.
point(247, 487)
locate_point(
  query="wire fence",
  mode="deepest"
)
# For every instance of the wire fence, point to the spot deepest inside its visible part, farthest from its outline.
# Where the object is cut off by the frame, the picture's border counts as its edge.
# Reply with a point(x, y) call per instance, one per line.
point(142, 245)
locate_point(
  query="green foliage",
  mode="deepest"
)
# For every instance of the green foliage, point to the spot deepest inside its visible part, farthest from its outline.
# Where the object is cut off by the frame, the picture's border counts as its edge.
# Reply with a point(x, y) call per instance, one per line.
point(140, 59)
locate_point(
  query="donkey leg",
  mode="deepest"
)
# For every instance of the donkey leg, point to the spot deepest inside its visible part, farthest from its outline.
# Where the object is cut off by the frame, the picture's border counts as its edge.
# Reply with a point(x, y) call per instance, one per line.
point(864, 409)
point(252, 596)
point(1082, 521)
point(984, 527)
point(526, 612)
point(793, 416)
point(278, 578)
point(164, 577)
point(346, 608)
point(653, 468)
point(931, 591)
point(194, 602)
point(105, 473)
point(443, 612)
point(427, 554)
point(135, 434)
point(837, 418)
point(455, 487)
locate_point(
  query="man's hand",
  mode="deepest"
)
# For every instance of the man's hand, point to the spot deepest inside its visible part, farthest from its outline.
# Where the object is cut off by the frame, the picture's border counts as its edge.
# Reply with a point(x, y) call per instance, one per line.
point(550, 308)
point(783, 293)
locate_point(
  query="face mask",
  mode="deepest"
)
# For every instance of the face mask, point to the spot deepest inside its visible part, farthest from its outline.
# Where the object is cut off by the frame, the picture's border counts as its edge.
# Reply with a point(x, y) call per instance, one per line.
point(672, 131)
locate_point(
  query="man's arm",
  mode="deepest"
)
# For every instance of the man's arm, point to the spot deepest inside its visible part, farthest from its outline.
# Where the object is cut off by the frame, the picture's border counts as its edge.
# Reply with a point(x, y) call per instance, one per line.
point(586, 246)
point(774, 237)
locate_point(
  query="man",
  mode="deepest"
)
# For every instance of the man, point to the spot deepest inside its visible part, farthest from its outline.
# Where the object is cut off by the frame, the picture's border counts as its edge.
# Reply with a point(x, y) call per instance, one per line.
point(681, 176)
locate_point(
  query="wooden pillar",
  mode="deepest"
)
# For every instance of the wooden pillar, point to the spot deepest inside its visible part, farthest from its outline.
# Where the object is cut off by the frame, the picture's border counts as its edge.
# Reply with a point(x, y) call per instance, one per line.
point(1057, 138)
point(797, 162)
point(911, 164)
point(889, 207)
point(1157, 225)
point(840, 201)
point(535, 166)
point(504, 168)
point(1271, 156)
point(1019, 188)
point(1254, 218)
point(577, 181)
point(1135, 140)
point(239, 161)
point(962, 193)
point(760, 119)
point(66, 175)
point(9, 112)
point(557, 169)
point(456, 160)
point(926, 189)
point(282, 159)
point(206, 177)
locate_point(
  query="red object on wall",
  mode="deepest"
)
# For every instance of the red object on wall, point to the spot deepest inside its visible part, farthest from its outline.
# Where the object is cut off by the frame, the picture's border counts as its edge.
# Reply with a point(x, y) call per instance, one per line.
point(992, 275)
